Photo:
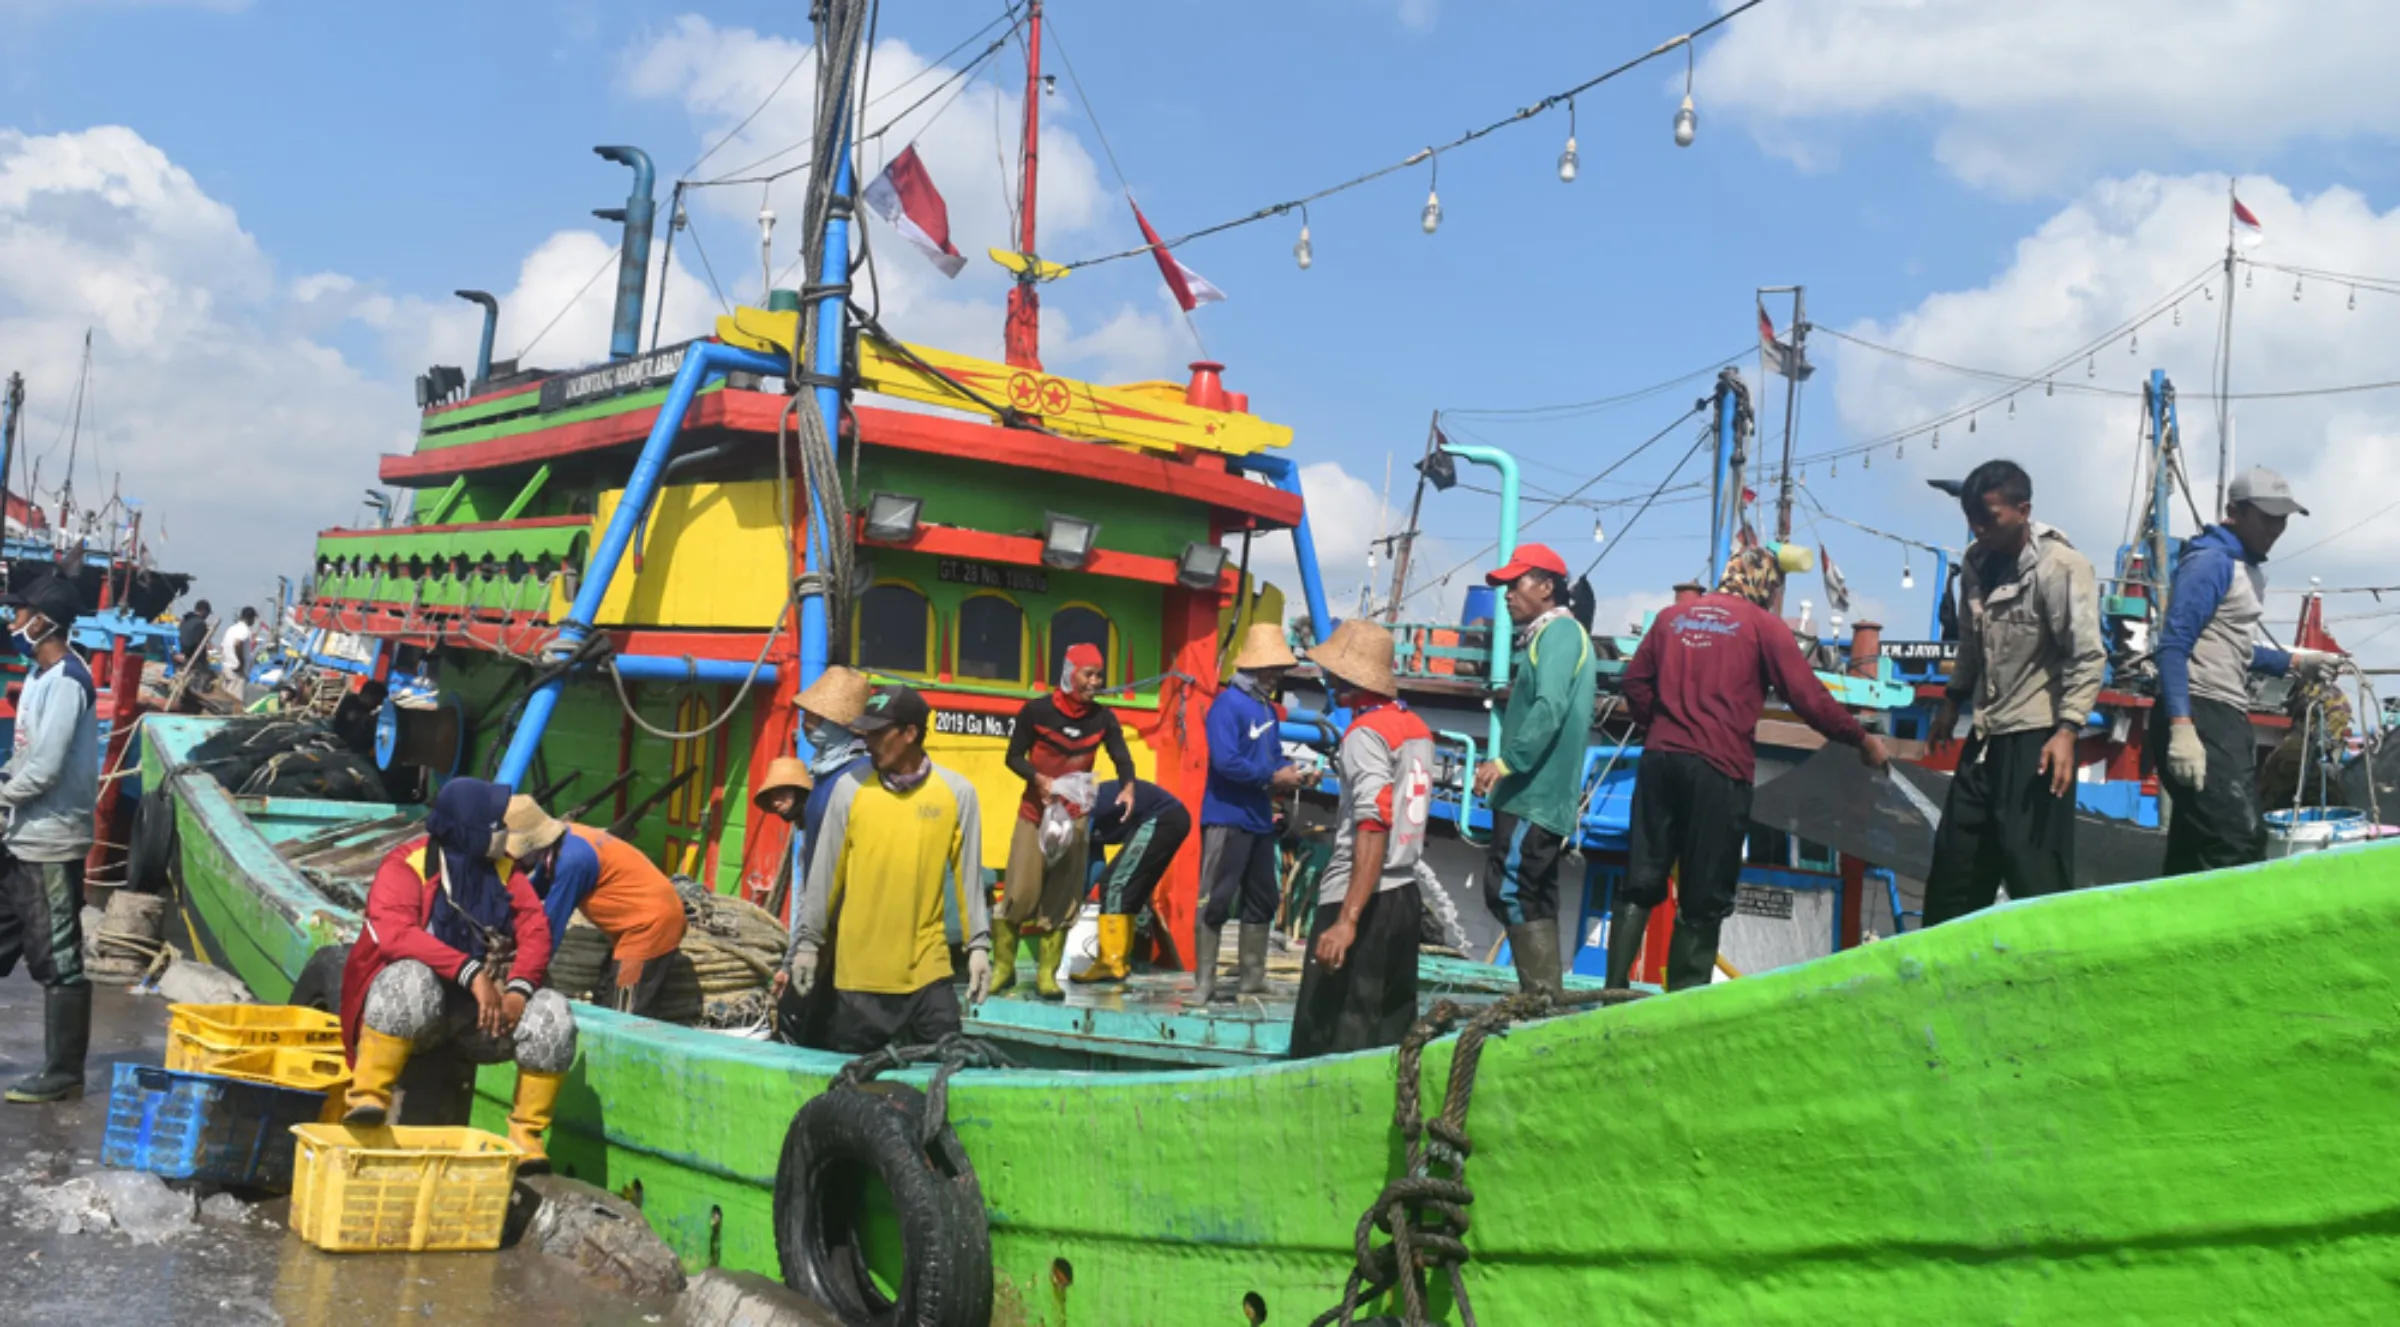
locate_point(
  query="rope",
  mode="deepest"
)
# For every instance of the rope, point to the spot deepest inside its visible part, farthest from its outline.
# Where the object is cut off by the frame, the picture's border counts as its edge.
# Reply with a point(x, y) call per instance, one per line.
point(955, 1051)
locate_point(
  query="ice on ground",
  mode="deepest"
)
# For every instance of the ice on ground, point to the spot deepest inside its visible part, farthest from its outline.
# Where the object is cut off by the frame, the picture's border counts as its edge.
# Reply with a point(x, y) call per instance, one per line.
point(224, 1207)
point(136, 1202)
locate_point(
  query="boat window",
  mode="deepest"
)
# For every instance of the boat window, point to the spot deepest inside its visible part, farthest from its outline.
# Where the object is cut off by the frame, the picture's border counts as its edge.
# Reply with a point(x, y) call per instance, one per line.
point(991, 639)
point(1080, 624)
point(893, 630)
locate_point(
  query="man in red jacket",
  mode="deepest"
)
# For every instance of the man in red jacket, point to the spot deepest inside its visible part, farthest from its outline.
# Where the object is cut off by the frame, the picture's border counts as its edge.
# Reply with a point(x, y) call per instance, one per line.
point(1699, 683)
point(454, 953)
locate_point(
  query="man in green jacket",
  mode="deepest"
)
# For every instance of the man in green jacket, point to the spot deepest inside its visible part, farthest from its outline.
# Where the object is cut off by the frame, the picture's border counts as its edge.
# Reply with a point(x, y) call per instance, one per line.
point(1535, 780)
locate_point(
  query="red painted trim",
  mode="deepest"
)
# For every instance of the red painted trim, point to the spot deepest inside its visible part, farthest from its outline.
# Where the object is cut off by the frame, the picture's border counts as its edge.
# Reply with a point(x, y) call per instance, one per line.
point(1024, 551)
point(521, 633)
point(470, 527)
point(754, 412)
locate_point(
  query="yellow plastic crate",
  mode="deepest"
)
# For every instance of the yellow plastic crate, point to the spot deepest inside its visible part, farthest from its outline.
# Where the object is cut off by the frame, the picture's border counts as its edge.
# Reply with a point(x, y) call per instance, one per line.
point(200, 1035)
point(398, 1188)
point(308, 1070)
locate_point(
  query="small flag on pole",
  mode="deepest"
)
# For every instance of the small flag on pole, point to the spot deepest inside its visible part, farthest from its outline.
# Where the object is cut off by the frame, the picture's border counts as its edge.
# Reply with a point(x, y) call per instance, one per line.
point(1837, 590)
point(1781, 358)
point(2246, 229)
point(905, 198)
point(1190, 289)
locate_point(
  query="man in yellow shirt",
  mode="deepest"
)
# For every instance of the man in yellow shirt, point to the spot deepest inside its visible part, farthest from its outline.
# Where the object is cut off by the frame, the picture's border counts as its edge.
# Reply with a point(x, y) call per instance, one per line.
point(895, 869)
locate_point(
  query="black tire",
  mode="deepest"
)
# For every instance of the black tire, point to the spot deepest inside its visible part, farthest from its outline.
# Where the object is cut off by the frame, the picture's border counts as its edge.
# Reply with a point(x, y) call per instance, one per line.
point(837, 1142)
point(319, 985)
point(150, 851)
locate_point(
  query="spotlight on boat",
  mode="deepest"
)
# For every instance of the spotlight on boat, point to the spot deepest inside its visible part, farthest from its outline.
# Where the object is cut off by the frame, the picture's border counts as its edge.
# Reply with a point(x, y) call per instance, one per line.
point(1200, 566)
point(892, 518)
point(1067, 541)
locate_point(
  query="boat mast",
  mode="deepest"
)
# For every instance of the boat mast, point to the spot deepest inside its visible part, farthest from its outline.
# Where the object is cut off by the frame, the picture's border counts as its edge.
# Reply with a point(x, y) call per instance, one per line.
point(1791, 412)
point(2225, 361)
point(10, 408)
point(1023, 336)
point(1407, 538)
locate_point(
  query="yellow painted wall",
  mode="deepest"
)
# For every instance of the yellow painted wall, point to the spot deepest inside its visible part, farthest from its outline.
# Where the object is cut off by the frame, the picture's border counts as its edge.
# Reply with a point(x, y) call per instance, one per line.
point(713, 556)
point(984, 760)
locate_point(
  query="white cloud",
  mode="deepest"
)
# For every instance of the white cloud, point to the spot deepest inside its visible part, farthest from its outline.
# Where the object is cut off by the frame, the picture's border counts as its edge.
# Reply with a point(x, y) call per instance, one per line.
point(2102, 258)
point(1416, 15)
point(1346, 516)
point(2036, 93)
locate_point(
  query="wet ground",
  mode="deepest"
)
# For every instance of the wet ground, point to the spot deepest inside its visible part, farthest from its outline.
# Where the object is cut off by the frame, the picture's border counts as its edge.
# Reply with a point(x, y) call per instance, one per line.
point(251, 1271)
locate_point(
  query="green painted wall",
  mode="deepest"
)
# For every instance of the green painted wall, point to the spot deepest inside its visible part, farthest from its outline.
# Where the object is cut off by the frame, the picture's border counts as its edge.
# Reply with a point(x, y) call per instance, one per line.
point(1005, 500)
point(1138, 609)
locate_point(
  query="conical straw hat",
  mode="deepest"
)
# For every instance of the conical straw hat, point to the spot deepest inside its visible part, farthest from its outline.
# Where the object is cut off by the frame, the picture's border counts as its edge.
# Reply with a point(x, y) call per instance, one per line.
point(1359, 653)
point(1264, 646)
point(839, 695)
point(530, 828)
point(783, 772)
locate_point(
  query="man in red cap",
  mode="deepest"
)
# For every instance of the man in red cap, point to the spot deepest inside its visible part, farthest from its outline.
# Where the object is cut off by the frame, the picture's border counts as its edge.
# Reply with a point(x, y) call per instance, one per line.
point(1535, 780)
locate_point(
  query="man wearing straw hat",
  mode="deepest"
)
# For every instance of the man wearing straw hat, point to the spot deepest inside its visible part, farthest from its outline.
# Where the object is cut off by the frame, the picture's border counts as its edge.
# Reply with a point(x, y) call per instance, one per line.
point(1535, 779)
point(1246, 769)
point(618, 889)
point(827, 709)
point(1358, 983)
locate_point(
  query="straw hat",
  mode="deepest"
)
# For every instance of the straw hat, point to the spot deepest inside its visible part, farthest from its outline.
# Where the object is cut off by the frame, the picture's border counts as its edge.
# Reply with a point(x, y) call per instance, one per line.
point(530, 828)
point(1264, 646)
point(839, 695)
point(1359, 653)
point(783, 772)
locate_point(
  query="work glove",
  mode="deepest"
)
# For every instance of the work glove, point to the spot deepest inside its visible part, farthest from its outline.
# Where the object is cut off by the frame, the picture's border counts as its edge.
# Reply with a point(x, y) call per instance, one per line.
point(979, 975)
point(2187, 759)
point(803, 968)
point(2309, 665)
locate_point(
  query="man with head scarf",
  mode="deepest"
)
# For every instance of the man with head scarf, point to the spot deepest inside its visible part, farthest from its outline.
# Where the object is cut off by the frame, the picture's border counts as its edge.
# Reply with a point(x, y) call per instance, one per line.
point(1535, 779)
point(453, 954)
point(1246, 770)
point(47, 791)
point(1698, 684)
point(1055, 736)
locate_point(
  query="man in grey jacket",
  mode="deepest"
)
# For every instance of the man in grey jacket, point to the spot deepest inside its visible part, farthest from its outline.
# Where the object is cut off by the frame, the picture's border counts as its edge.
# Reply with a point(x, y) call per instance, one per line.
point(47, 788)
point(2030, 660)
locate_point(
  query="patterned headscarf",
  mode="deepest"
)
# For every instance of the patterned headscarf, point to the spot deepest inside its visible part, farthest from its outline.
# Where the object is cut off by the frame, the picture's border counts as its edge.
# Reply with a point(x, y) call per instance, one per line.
point(1752, 574)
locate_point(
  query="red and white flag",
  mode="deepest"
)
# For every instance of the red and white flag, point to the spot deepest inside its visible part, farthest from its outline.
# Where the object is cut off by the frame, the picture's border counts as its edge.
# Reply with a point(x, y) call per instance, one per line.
point(2246, 229)
point(1837, 590)
point(1190, 289)
point(905, 198)
point(1781, 357)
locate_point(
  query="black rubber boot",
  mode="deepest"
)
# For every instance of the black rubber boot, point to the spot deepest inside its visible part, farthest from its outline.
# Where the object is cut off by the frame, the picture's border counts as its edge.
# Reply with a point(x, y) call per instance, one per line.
point(1206, 941)
point(1533, 946)
point(1626, 932)
point(1692, 954)
point(1252, 957)
point(66, 1037)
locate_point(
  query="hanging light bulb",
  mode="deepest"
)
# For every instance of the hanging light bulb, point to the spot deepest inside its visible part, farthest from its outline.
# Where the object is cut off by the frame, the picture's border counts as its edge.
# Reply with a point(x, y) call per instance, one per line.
point(1432, 219)
point(1304, 253)
point(1834, 470)
point(2012, 407)
point(2049, 388)
point(1866, 461)
point(1970, 423)
point(1598, 533)
point(1569, 159)
point(1687, 120)
point(1899, 449)
point(2354, 299)
point(1908, 574)
point(2209, 293)
point(1937, 438)
point(2295, 290)
point(2133, 345)
point(2247, 274)
point(2179, 313)
point(2091, 366)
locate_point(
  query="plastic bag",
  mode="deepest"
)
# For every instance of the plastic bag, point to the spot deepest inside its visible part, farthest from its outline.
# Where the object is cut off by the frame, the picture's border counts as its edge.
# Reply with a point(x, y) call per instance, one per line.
point(1071, 798)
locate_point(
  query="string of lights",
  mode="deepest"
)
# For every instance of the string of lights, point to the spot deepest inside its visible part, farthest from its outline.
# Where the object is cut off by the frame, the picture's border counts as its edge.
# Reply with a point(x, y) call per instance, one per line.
point(1687, 123)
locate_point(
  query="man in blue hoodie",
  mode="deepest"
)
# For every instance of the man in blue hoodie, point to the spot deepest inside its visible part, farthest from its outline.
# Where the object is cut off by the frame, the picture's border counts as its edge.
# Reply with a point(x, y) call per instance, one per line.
point(47, 789)
point(1246, 769)
point(2205, 750)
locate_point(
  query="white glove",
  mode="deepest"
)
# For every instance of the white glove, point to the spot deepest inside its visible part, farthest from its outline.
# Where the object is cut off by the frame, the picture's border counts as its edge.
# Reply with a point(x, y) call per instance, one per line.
point(803, 968)
point(979, 976)
point(2187, 759)
point(2313, 664)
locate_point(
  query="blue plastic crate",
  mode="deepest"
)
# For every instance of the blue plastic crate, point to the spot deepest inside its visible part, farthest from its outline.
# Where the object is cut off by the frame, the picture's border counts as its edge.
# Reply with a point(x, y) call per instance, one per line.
point(187, 1126)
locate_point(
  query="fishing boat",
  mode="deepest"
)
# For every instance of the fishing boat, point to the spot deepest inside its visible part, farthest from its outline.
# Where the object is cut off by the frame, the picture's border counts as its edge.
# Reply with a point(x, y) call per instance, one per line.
point(2061, 1108)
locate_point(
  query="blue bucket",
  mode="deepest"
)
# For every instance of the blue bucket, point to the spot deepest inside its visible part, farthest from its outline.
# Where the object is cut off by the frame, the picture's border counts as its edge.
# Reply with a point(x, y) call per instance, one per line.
point(2310, 828)
point(186, 1126)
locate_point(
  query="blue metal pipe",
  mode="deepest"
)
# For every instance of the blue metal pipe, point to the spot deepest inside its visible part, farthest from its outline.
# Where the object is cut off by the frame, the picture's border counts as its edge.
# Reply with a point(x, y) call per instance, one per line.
point(1722, 520)
point(676, 668)
point(1502, 637)
point(1941, 592)
point(633, 262)
point(1280, 471)
point(705, 360)
point(491, 324)
point(833, 271)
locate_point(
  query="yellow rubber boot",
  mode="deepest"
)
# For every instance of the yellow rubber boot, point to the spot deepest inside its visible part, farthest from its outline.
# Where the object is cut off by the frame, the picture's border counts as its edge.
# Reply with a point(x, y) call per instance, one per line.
point(1051, 951)
point(381, 1057)
point(1116, 946)
point(537, 1097)
point(1004, 954)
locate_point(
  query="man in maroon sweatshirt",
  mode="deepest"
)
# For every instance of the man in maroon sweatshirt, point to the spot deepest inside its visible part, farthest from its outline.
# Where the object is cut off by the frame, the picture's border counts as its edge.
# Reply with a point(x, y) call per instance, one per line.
point(1699, 683)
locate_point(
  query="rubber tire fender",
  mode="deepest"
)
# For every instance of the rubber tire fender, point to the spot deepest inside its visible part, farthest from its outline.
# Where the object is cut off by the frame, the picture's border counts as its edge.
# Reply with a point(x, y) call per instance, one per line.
point(319, 985)
point(835, 1142)
point(151, 849)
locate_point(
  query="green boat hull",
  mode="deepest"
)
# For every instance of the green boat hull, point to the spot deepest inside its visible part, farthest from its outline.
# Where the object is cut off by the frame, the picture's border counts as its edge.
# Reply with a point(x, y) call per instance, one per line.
point(2169, 1102)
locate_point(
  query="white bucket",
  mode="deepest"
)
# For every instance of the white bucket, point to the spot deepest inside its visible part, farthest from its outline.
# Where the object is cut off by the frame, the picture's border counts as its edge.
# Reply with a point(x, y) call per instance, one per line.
point(2314, 828)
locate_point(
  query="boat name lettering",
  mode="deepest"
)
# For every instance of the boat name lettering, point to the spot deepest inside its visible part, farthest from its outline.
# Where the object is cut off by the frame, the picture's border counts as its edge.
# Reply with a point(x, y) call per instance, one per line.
point(959, 723)
point(626, 375)
point(989, 576)
point(1758, 901)
point(1921, 651)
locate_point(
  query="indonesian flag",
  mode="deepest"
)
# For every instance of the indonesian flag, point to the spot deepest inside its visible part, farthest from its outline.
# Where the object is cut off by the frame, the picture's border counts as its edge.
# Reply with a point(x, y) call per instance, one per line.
point(1837, 590)
point(2246, 230)
point(905, 198)
point(1781, 358)
point(1191, 290)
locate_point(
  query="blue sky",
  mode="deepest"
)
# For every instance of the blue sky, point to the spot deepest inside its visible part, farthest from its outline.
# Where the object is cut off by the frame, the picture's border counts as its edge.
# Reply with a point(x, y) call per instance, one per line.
point(296, 188)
